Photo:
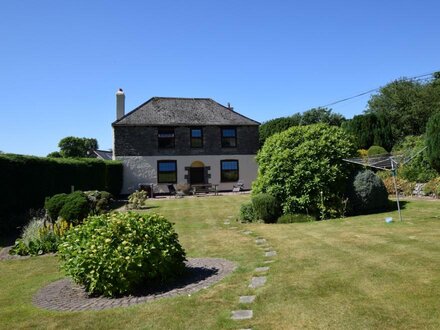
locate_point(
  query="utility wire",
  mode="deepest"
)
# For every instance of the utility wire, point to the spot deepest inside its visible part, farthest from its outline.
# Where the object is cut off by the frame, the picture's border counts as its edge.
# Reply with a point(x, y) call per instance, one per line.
point(415, 78)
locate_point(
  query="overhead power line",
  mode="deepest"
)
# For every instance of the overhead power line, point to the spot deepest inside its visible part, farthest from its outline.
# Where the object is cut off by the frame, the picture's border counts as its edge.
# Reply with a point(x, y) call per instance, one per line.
point(415, 78)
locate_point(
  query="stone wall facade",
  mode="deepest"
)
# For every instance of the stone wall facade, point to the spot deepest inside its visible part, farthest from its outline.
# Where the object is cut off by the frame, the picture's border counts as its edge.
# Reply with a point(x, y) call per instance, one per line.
point(143, 141)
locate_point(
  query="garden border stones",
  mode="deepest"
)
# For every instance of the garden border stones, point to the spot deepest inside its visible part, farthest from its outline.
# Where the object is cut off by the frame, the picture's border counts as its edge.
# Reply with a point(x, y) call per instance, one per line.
point(64, 295)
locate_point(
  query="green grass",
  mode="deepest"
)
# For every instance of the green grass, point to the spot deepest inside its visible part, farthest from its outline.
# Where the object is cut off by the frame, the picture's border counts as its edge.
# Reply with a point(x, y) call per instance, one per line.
point(353, 273)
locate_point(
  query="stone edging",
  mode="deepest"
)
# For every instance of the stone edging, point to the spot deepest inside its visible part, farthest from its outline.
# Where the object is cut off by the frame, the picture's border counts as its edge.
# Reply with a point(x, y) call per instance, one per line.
point(64, 295)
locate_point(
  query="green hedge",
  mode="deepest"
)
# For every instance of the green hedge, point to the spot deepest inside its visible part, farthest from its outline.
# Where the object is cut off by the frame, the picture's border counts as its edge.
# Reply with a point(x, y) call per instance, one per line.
point(25, 181)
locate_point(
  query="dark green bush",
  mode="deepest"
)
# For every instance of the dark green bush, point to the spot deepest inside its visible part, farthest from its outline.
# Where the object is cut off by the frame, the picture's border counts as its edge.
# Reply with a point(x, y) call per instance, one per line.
point(376, 151)
point(266, 208)
point(291, 218)
point(433, 141)
point(247, 213)
point(99, 201)
point(26, 181)
point(367, 193)
point(54, 204)
point(75, 208)
point(116, 253)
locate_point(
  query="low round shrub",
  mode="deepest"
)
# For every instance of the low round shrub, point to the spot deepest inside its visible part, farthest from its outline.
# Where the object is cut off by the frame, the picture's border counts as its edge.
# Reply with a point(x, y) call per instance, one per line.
point(99, 201)
point(367, 193)
point(117, 253)
point(54, 204)
point(137, 200)
point(247, 213)
point(75, 208)
point(376, 150)
point(266, 207)
point(291, 218)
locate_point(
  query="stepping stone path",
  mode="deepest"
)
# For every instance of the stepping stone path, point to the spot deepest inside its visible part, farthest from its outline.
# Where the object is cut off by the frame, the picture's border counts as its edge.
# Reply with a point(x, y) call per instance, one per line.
point(261, 269)
point(244, 314)
point(256, 281)
point(246, 299)
point(226, 223)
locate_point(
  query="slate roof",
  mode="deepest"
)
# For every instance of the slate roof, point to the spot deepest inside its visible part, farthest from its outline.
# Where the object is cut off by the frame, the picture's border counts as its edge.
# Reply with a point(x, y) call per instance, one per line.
point(173, 111)
point(103, 154)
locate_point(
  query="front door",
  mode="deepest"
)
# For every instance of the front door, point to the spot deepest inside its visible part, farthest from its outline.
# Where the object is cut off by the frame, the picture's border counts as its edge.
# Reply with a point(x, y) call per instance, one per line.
point(197, 175)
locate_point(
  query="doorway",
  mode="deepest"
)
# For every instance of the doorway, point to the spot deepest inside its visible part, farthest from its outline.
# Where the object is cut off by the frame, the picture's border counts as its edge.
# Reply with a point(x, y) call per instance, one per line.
point(197, 173)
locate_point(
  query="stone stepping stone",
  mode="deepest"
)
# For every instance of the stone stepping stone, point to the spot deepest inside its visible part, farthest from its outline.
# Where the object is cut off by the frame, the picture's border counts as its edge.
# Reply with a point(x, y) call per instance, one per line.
point(270, 254)
point(233, 227)
point(226, 223)
point(261, 269)
point(247, 232)
point(246, 299)
point(257, 281)
point(269, 261)
point(260, 241)
point(244, 314)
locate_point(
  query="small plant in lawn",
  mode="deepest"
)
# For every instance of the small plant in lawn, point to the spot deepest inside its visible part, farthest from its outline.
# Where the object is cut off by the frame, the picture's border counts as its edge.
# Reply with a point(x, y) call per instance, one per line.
point(137, 200)
point(266, 208)
point(247, 213)
point(117, 253)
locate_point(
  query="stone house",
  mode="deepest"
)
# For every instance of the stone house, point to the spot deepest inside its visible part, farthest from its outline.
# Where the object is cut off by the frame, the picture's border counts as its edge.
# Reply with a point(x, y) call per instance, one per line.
point(185, 141)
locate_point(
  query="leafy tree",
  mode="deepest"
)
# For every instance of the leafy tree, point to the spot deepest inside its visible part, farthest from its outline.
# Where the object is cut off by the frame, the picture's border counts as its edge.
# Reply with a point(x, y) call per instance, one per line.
point(418, 169)
point(370, 129)
point(407, 105)
point(321, 115)
point(277, 125)
point(72, 146)
point(54, 154)
point(309, 117)
point(433, 141)
point(303, 168)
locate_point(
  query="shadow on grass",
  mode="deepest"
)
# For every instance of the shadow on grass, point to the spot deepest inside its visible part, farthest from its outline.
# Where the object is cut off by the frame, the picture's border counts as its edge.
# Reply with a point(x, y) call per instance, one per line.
point(191, 275)
point(392, 205)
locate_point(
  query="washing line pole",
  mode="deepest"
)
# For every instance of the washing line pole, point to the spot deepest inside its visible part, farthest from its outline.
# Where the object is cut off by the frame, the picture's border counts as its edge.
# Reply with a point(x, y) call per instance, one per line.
point(394, 174)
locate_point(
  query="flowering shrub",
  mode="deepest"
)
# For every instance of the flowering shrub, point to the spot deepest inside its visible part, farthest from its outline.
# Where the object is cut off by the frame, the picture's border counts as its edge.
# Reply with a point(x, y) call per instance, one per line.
point(40, 237)
point(114, 254)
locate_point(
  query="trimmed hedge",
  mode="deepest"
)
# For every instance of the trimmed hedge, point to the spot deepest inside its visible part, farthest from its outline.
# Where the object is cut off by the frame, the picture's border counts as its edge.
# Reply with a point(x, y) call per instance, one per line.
point(25, 181)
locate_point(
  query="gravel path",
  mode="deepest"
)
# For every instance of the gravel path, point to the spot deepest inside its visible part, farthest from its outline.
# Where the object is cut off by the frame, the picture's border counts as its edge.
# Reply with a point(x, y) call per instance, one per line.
point(64, 295)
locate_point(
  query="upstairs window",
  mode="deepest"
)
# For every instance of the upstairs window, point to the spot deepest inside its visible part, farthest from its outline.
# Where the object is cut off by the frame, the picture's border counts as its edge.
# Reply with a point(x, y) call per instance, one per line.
point(229, 171)
point(229, 137)
point(166, 171)
point(165, 138)
point(196, 138)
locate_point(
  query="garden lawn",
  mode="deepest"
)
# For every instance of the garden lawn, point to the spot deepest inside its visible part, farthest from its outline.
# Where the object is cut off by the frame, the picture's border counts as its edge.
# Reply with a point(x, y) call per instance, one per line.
point(353, 273)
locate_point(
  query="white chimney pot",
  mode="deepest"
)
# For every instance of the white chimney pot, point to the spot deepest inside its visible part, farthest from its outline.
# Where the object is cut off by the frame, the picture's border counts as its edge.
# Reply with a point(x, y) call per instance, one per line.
point(120, 104)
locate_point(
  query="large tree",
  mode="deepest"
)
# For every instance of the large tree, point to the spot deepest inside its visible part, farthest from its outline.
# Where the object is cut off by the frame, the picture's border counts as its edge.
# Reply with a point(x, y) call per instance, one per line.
point(370, 129)
point(407, 105)
point(433, 141)
point(303, 168)
point(309, 117)
point(72, 147)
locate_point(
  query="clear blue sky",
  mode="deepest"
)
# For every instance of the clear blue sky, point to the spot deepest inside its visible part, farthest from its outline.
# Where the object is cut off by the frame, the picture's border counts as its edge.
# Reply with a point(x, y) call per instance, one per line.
point(61, 62)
